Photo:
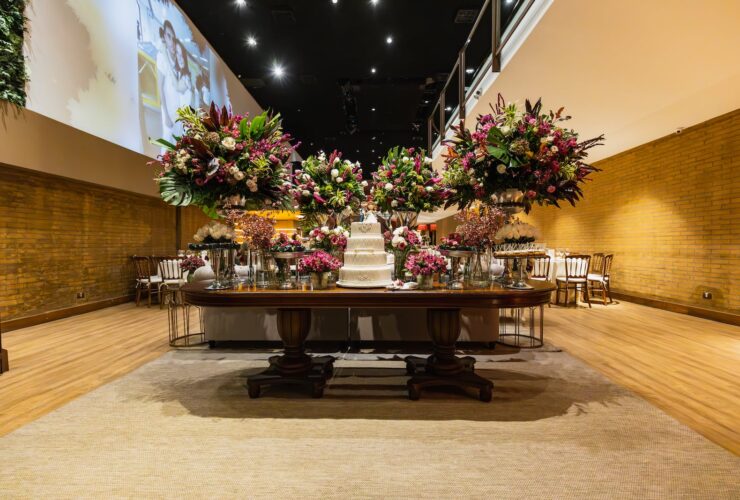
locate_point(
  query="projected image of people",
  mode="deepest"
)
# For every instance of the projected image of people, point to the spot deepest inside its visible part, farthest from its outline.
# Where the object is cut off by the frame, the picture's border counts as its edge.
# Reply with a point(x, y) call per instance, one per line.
point(176, 68)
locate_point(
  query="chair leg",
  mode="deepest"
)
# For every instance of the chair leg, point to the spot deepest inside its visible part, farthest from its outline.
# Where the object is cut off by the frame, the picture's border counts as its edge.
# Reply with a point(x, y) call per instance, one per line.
point(149, 295)
point(557, 294)
point(608, 291)
point(603, 293)
point(138, 295)
point(585, 294)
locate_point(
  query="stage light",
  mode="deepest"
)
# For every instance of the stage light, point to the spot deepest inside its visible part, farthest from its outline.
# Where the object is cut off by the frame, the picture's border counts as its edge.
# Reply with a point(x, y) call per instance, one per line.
point(251, 41)
point(277, 70)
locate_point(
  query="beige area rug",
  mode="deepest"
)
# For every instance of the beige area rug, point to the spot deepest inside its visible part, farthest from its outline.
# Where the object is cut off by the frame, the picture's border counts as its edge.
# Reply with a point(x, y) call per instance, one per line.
point(183, 427)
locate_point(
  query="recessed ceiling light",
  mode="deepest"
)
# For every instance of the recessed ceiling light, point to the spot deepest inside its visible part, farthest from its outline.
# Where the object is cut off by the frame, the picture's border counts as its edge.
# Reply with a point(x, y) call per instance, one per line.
point(389, 39)
point(299, 110)
point(372, 138)
point(372, 109)
point(335, 2)
point(509, 2)
point(372, 70)
point(426, 101)
point(277, 70)
point(251, 41)
point(469, 70)
point(374, 2)
point(448, 108)
point(240, 3)
point(372, 150)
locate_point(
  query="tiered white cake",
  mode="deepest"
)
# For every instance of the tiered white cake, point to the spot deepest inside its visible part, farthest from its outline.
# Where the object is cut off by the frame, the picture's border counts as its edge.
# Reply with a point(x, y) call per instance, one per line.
point(365, 259)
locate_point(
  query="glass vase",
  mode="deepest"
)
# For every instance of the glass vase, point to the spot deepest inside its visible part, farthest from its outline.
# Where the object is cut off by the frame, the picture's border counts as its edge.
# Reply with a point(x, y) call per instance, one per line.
point(217, 258)
point(287, 280)
point(478, 273)
point(425, 281)
point(264, 269)
point(457, 258)
point(399, 263)
point(320, 281)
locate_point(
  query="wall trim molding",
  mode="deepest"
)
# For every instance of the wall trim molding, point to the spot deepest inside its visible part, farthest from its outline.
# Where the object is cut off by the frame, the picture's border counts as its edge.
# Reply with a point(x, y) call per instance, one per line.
point(15, 324)
point(666, 305)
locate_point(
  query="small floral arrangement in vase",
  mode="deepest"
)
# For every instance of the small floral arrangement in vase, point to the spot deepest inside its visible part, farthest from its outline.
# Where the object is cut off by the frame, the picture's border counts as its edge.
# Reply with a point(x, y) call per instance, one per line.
point(319, 266)
point(190, 264)
point(401, 241)
point(214, 232)
point(331, 240)
point(517, 232)
point(327, 186)
point(424, 265)
point(454, 242)
point(282, 243)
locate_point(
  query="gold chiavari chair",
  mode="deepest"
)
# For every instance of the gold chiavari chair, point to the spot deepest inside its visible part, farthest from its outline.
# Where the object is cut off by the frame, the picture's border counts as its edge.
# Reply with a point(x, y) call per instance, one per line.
point(145, 280)
point(576, 276)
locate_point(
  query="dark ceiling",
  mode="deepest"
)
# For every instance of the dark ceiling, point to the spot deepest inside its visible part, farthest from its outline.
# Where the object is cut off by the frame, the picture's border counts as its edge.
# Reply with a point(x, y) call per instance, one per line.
point(328, 92)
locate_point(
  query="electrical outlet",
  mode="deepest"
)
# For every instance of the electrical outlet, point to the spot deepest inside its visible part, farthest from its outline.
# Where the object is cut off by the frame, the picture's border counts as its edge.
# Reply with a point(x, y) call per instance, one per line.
point(80, 295)
point(706, 295)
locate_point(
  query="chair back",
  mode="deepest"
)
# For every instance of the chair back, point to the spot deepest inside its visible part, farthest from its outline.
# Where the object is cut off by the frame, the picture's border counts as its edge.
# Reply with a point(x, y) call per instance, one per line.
point(597, 263)
point(540, 267)
point(141, 265)
point(607, 265)
point(576, 266)
point(169, 269)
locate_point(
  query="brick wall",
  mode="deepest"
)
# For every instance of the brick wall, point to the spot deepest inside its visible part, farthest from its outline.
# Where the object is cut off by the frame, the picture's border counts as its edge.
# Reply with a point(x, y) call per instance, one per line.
point(669, 210)
point(60, 236)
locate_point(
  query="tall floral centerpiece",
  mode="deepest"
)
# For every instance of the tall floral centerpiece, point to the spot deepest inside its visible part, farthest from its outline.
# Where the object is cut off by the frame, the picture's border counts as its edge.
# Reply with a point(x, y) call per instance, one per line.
point(286, 251)
point(517, 157)
point(224, 160)
point(405, 185)
point(401, 242)
point(327, 187)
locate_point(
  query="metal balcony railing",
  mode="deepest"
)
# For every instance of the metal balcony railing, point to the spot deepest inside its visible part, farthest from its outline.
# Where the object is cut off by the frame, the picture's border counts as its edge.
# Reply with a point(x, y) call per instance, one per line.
point(481, 53)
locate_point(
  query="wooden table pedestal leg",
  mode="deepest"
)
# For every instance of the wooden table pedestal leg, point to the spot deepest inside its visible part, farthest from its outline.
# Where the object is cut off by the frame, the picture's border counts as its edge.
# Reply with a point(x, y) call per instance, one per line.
point(294, 367)
point(444, 368)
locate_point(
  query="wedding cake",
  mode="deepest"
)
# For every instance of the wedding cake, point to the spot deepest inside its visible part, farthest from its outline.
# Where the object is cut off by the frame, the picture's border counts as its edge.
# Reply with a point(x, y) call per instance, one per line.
point(365, 264)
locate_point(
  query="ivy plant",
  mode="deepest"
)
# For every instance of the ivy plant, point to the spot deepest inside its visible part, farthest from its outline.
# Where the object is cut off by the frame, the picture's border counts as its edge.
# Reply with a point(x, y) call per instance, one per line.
point(13, 75)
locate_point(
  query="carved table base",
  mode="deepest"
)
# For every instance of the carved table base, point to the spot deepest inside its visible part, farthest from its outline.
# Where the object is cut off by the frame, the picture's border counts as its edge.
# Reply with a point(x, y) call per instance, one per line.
point(444, 368)
point(295, 367)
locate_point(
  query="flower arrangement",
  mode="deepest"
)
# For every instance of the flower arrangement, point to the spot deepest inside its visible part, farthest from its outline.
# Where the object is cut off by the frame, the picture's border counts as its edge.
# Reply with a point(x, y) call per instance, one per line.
point(525, 150)
point(318, 262)
point(225, 159)
point(257, 230)
point(478, 227)
point(284, 243)
point(454, 241)
point(426, 263)
point(329, 239)
point(402, 239)
point(327, 185)
point(214, 232)
point(517, 232)
point(191, 263)
point(405, 181)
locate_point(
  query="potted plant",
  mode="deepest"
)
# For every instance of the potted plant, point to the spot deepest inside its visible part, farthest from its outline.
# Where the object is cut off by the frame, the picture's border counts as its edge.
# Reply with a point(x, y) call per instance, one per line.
point(319, 266)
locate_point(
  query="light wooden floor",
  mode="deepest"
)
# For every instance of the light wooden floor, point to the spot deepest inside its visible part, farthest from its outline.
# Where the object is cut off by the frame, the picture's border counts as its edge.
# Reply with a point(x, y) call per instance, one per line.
point(687, 366)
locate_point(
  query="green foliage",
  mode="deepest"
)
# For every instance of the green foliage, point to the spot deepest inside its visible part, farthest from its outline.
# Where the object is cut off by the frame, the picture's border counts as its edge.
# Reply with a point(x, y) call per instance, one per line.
point(13, 75)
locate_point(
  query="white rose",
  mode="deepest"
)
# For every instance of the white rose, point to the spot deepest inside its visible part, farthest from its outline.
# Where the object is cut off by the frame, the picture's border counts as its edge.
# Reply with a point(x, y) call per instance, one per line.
point(229, 143)
point(394, 203)
point(406, 159)
point(501, 169)
point(306, 193)
point(429, 189)
point(396, 241)
point(554, 149)
point(363, 183)
point(428, 160)
point(336, 160)
point(239, 175)
point(340, 180)
point(506, 130)
point(324, 229)
point(334, 172)
point(388, 186)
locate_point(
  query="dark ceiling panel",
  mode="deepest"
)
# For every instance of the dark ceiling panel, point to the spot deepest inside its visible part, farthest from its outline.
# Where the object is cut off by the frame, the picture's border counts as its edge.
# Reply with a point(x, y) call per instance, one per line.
point(327, 50)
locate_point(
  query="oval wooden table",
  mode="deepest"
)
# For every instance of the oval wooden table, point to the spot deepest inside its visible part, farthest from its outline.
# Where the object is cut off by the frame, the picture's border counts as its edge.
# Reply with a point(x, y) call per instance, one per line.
point(442, 368)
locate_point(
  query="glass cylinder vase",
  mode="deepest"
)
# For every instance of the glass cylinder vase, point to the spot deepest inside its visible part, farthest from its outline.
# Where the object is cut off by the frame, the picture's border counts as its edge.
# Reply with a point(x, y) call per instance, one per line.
point(320, 281)
point(478, 274)
point(425, 281)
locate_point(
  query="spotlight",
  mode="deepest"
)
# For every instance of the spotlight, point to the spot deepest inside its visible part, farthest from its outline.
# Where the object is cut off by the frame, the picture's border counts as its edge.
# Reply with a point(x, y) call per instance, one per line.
point(277, 70)
point(251, 41)
point(469, 70)
point(240, 3)
point(372, 109)
point(374, 2)
point(335, 2)
point(448, 108)
point(389, 39)
point(372, 70)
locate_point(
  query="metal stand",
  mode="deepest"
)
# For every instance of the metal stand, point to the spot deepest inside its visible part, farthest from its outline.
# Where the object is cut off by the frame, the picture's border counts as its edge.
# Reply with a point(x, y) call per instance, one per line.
point(180, 332)
point(516, 330)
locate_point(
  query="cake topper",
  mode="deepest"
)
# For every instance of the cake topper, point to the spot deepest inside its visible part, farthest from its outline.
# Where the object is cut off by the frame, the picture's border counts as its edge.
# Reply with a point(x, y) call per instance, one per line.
point(370, 218)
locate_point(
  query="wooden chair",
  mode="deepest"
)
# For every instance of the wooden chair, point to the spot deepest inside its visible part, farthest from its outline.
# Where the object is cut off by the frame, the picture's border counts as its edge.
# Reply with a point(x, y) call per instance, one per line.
point(599, 278)
point(597, 263)
point(576, 276)
point(540, 268)
point(172, 277)
point(145, 280)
